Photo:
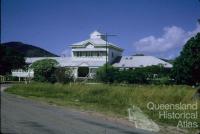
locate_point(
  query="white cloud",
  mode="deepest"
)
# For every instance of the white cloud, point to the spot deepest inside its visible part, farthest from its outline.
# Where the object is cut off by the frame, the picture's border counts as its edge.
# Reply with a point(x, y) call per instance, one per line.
point(166, 46)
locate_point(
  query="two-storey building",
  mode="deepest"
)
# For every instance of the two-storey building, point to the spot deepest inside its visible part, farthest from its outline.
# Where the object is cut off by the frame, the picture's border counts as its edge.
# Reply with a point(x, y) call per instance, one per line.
point(88, 55)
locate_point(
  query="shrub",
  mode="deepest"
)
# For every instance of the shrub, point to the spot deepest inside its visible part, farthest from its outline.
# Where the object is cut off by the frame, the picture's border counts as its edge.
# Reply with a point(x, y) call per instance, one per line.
point(161, 81)
point(106, 75)
point(150, 74)
point(131, 76)
point(156, 71)
point(44, 70)
point(64, 75)
point(137, 76)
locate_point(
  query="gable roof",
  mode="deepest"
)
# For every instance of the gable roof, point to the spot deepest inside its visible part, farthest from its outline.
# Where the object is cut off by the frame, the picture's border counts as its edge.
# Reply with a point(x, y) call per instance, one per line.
point(125, 61)
point(140, 61)
point(96, 41)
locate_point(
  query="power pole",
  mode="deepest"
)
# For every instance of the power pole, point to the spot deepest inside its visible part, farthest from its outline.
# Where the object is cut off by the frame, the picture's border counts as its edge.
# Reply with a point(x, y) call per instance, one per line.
point(106, 35)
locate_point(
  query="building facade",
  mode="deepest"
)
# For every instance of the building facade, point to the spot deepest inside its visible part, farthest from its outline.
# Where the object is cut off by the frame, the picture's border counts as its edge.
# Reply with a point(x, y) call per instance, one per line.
point(88, 55)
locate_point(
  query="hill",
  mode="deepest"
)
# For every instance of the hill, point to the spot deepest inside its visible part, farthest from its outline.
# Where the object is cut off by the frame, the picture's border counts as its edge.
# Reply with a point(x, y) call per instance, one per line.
point(28, 50)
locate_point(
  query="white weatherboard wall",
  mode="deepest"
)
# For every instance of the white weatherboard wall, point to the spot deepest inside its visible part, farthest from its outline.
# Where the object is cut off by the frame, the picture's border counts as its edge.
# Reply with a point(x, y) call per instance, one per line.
point(112, 54)
point(96, 45)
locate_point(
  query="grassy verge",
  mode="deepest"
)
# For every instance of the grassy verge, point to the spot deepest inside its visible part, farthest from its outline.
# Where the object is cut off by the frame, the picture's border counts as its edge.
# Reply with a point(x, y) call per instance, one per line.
point(111, 99)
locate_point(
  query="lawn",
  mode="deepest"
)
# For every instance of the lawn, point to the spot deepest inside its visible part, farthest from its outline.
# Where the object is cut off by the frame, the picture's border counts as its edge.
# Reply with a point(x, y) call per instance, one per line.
point(112, 99)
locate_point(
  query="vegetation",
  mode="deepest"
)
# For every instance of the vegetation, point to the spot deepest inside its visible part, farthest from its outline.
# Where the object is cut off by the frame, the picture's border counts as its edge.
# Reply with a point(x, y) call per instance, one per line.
point(186, 68)
point(44, 70)
point(106, 73)
point(131, 76)
point(28, 50)
point(64, 75)
point(151, 74)
point(10, 59)
point(111, 99)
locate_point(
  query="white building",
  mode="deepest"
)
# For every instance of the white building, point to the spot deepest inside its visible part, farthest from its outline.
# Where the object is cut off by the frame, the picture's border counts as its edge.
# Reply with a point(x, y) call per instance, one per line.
point(90, 54)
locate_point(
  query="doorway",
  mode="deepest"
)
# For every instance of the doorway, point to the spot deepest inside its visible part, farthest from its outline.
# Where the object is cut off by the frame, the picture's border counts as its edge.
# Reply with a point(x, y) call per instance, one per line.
point(83, 71)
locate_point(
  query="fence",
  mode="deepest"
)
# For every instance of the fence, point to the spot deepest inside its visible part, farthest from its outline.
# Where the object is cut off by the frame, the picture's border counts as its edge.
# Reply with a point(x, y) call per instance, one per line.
point(23, 74)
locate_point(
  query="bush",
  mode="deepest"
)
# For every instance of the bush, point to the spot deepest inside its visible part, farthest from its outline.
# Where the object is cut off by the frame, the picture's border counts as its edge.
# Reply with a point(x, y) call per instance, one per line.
point(131, 76)
point(106, 75)
point(150, 74)
point(161, 81)
point(137, 76)
point(156, 71)
point(64, 75)
point(44, 70)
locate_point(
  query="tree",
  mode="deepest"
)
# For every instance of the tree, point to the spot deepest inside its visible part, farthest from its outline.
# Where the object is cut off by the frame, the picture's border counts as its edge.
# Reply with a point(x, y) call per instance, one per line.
point(10, 59)
point(186, 68)
point(44, 70)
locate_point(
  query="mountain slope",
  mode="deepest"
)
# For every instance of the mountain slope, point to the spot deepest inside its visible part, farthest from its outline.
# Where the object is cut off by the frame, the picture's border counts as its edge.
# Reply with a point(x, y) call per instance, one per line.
point(29, 50)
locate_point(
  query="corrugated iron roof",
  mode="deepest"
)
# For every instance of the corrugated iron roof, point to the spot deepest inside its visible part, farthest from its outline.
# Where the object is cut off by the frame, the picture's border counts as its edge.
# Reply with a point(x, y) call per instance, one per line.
point(124, 62)
point(140, 61)
point(68, 62)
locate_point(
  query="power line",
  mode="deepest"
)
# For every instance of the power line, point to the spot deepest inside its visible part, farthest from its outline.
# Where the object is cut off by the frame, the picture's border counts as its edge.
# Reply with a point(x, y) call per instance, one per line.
point(106, 35)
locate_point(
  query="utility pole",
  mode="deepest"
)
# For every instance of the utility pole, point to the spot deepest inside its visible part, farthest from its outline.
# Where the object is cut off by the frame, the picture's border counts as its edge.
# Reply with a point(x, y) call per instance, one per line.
point(106, 35)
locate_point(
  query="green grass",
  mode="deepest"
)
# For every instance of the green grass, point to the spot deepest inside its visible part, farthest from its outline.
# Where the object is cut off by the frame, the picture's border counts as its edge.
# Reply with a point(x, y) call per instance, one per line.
point(109, 99)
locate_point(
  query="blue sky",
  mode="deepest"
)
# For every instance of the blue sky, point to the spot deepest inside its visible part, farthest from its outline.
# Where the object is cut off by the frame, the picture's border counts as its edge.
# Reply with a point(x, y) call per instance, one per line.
point(152, 27)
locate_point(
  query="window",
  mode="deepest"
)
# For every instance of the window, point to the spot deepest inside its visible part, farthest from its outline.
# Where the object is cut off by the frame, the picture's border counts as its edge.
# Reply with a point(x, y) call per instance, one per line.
point(102, 53)
point(75, 54)
point(84, 54)
point(112, 54)
point(95, 53)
